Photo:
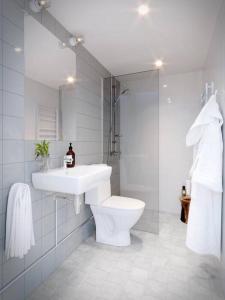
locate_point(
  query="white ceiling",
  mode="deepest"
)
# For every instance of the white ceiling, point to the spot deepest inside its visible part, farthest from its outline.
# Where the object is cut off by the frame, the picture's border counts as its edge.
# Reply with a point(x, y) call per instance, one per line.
point(45, 61)
point(177, 31)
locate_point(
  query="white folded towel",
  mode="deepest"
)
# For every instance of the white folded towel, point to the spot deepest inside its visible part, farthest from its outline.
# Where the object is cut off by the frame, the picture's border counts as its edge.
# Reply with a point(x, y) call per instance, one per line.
point(19, 222)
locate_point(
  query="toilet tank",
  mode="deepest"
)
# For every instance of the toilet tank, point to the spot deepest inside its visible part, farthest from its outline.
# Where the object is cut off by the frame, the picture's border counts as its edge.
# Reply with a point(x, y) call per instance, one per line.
point(99, 194)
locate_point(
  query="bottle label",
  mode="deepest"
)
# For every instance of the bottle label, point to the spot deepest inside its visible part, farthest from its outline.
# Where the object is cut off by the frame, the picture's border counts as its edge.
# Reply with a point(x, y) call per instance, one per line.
point(68, 159)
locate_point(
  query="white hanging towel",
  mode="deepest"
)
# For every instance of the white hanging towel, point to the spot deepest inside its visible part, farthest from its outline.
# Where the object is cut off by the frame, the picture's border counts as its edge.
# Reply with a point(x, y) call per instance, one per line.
point(204, 224)
point(19, 222)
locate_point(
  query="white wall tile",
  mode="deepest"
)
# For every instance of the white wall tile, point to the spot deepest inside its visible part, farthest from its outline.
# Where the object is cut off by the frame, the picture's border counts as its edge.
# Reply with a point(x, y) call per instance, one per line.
point(1, 102)
point(38, 230)
point(48, 224)
point(13, 105)
point(16, 291)
point(13, 12)
point(89, 84)
point(89, 71)
point(13, 81)
point(88, 148)
point(48, 242)
point(89, 122)
point(1, 50)
point(12, 173)
point(37, 210)
point(34, 253)
point(49, 205)
point(87, 109)
point(12, 34)
point(84, 134)
point(1, 126)
point(48, 265)
point(29, 150)
point(12, 268)
point(13, 128)
point(33, 279)
point(31, 167)
point(1, 77)
point(2, 226)
point(13, 152)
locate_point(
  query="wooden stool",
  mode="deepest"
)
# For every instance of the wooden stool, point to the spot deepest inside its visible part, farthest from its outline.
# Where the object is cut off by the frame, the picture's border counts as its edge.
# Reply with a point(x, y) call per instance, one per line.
point(185, 204)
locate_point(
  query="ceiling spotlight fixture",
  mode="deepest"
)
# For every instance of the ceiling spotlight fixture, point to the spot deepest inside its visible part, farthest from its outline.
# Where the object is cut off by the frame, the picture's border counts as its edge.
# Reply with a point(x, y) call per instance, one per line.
point(70, 79)
point(37, 5)
point(18, 49)
point(165, 85)
point(74, 41)
point(158, 63)
point(143, 10)
point(80, 39)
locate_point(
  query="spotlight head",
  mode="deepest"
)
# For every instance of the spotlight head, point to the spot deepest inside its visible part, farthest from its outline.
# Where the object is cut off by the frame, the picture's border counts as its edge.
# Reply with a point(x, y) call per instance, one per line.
point(74, 41)
point(37, 5)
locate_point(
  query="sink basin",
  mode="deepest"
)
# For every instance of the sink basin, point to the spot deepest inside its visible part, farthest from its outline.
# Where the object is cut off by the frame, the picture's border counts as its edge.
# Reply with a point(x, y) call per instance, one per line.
point(74, 181)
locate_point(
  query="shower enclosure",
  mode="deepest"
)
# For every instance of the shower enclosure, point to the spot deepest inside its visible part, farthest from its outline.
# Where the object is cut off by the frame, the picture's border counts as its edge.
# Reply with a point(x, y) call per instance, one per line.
point(131, 130)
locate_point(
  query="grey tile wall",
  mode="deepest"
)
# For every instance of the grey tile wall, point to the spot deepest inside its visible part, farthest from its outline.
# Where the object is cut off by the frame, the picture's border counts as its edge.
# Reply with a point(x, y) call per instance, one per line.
point(11, 131)
point(19, 167)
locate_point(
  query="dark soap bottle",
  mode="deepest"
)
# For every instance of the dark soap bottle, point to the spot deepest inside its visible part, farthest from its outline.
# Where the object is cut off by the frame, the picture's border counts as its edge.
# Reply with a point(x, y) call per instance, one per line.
point(72, 153)
point(184, 193)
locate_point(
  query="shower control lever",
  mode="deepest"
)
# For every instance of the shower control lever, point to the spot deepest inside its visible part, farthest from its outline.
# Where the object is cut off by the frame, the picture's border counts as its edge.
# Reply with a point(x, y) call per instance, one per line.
point(115, 153)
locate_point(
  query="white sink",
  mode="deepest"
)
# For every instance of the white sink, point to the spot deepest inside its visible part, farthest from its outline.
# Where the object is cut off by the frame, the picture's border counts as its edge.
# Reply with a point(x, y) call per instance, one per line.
point(74, 181)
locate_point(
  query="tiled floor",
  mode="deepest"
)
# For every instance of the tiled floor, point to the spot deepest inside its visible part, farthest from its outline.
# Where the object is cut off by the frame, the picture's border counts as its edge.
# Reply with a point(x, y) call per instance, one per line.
point(153, 267)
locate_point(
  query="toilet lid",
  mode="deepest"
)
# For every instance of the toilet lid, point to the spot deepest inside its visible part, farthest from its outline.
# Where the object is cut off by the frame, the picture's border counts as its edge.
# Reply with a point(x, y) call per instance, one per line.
point(123, 203)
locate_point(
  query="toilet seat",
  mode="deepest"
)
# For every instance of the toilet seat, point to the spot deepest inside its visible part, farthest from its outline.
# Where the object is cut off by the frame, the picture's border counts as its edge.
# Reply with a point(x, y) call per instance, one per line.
point(118, 202)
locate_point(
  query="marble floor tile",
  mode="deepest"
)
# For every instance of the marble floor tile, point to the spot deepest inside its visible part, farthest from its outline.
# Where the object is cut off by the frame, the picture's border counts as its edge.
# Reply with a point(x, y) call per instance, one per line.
point(154, 267)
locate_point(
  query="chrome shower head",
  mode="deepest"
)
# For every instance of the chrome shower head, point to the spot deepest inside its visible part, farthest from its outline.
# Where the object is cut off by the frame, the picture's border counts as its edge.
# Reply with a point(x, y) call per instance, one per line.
point(122, 93)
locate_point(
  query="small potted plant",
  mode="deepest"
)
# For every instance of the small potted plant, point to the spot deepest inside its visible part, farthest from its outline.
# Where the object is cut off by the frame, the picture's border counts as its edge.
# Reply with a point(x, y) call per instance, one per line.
point(42, 152)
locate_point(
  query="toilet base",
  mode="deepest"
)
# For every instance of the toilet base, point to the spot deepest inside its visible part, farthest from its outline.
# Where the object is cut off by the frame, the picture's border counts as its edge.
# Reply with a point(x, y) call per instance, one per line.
point(119, 239)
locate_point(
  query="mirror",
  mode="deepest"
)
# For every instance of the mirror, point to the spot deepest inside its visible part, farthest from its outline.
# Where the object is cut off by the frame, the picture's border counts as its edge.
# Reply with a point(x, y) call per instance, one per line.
point(50, 67)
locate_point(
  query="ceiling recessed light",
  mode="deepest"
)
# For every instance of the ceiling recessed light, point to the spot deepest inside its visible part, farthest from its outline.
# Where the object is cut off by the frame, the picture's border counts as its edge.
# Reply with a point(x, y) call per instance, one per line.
point(158, 63)
point(70, 79)
point(143, 9)
point(42, 2)
point(80, 39)
point(18, 49)
point(165, 85)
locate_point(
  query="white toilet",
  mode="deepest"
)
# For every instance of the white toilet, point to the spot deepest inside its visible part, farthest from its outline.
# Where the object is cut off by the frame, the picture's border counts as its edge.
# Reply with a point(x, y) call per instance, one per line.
point(114, 215)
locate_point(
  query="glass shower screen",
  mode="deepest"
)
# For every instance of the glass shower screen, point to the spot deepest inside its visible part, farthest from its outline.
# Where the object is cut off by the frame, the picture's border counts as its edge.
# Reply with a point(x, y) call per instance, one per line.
point(138, 139)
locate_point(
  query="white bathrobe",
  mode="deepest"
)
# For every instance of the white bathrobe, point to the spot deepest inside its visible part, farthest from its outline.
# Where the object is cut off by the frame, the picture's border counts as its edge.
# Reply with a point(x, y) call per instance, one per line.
point(19, 222)
point(204, 224)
